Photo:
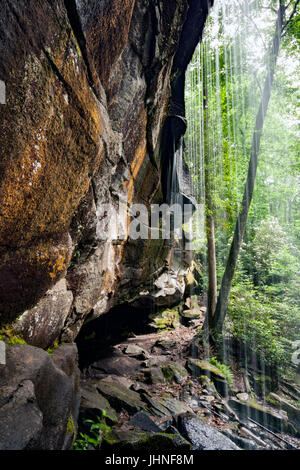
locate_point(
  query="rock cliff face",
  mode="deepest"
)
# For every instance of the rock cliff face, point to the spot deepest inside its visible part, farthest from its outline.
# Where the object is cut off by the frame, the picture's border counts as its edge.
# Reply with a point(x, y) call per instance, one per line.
point(90, 87)
point(94, 102)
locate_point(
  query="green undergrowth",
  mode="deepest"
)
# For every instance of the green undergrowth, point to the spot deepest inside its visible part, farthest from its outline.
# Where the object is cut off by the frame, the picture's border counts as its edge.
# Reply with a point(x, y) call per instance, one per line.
point(98, 430)
point(10, 336)
point(55, 346)
point(224, 369)
point(267, 321)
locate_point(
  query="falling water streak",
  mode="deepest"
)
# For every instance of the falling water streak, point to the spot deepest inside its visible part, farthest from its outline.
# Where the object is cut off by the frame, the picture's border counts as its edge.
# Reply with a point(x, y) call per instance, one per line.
point(228, 142)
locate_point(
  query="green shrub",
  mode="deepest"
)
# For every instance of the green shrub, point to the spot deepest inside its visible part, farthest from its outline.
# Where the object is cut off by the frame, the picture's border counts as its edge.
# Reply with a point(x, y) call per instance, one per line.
point(265, 320)
point(223, 368)
point(98, 430)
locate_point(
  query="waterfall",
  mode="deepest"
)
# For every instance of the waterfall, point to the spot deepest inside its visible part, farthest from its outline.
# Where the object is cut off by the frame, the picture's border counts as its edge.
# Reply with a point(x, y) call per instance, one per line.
point(224, 86)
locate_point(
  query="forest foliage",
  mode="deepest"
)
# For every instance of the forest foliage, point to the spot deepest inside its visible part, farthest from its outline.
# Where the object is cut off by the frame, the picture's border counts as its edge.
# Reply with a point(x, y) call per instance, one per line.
point(227, 75)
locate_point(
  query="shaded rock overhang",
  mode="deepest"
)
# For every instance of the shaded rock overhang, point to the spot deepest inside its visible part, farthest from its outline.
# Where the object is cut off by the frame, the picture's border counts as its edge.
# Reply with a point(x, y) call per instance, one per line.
point(175, 123)
point(88, 91)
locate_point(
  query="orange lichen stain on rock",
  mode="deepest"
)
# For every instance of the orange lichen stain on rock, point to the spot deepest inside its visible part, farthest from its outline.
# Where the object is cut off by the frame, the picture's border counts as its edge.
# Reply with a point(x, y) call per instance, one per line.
point(82, 97)
point(58, 267)
point(43, 184)
point(21, 180)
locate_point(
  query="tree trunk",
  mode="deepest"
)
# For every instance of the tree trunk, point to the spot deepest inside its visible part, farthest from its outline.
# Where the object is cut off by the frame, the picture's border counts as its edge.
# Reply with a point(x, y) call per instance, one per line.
point(216, 321)
point(210, 219)
point(212, 266)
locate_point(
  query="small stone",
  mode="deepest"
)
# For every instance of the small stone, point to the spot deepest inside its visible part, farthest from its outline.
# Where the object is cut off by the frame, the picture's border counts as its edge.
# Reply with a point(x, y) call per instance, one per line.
point(155, 361)
point(174, 406)
point(134, 351)
point(242, 396)
point(210, 398)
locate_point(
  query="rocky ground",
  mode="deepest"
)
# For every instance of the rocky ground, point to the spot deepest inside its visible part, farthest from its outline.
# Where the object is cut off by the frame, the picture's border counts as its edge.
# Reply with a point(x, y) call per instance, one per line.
point(157, 396)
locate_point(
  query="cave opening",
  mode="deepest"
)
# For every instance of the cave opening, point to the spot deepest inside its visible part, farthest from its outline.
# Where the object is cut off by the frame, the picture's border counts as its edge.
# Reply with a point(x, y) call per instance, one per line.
point(97, 338)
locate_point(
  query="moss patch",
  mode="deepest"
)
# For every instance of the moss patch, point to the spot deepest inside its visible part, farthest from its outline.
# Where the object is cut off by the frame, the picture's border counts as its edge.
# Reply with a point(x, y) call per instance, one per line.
point(166, 319)
point(71, 428)
point(9, 336)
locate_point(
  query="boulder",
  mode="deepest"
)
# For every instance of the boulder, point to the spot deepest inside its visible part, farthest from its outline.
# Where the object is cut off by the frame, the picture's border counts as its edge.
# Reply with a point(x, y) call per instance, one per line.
point(174, 406)
point(242, 396)
point(191, 314)
point(89, 88)
point(143, 421)
point(199, 368)
point(244, 409)
point(134, 351)
point(120, 398)
point(292, 411)
point(41, 325)
point(166, 319)
point(156, 361)
point(155, 407)
point(154, 375)
point(165, 344)
point(174, 372)
point(42, 393)
point(21, 420)
point(202, 436)
point(117, 364)
point(94, 404)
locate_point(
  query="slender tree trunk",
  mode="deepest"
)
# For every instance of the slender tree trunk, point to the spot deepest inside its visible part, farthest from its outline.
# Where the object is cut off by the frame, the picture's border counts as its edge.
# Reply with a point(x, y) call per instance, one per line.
point(210, 220)
point(212, 266)
point(216, 321)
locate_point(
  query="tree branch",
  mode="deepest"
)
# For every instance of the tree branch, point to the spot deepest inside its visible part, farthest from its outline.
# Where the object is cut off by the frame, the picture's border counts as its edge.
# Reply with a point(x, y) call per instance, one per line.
point(291, 16)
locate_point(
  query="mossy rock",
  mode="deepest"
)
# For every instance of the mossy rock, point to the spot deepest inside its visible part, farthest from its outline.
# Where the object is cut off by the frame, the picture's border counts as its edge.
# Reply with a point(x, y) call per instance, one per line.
point(192, 314)
point(207, 384)
point(187, 316)
point(199, 368)
point(154, 375)
point(194, 280)
point(166, 319)
point(262, 385)
point(251, 409)
point(174, 373)
point(133, 440)
point(292, 411)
